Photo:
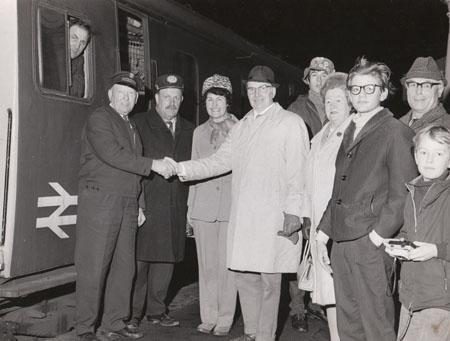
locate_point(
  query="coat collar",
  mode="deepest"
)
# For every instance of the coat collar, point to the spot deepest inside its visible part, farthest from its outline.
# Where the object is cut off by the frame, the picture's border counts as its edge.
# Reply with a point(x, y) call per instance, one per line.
point(428, 117)
point(377, 120)
point(433, 193)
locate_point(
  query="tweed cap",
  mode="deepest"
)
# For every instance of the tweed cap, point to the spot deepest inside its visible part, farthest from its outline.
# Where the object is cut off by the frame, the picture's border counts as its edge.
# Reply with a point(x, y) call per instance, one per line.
point(262, 74)
point(424, 67)
point(169, 80)
point(319, 64)
point(126, 78)
point(217, 81)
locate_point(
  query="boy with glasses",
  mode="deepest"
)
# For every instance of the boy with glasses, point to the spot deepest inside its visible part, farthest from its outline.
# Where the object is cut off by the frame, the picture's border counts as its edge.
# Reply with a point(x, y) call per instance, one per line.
point(424, 84)
point(373, 163)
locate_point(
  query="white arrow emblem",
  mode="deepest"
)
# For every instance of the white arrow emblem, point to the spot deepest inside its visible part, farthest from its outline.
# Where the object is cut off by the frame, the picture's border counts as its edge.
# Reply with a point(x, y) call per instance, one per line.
point(55, 220)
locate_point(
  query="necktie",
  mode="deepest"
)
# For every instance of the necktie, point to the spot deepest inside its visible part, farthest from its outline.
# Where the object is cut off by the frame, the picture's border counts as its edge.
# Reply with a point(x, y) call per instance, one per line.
point(348, 135)
point(413, 120)
point(170, 126)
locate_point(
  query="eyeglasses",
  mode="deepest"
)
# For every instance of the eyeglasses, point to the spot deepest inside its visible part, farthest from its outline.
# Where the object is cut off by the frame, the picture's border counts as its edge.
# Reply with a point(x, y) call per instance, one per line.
point(369, 89)
point(261, 89)
point(424, 85)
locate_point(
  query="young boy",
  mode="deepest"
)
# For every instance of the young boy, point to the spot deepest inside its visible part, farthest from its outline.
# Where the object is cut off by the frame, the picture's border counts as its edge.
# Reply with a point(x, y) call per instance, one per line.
point(424, 292)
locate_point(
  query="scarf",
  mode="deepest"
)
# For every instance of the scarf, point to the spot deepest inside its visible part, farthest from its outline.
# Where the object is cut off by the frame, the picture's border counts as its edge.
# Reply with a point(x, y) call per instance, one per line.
point(220, 130)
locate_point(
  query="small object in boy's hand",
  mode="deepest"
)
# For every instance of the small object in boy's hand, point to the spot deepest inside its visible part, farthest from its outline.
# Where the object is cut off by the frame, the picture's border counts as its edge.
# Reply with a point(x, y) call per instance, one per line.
point(402, 243)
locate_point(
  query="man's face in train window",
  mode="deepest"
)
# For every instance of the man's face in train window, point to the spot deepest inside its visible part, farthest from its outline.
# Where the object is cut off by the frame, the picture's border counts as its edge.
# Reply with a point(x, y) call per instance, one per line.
point(79, 37)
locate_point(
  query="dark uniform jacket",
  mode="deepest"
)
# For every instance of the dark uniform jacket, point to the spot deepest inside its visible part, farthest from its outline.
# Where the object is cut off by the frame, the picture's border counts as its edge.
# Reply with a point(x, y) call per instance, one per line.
point(369, 187)
point(111, 151)
point(306, 109)
point(436, 116)
point(162, 237)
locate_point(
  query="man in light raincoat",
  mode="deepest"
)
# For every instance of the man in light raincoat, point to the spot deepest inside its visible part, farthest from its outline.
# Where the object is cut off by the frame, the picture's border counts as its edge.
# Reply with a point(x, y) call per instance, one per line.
point(266, 152)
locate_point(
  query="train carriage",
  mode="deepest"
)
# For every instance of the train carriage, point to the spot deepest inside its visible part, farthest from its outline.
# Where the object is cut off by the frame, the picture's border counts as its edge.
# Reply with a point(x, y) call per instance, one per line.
point(41, 120)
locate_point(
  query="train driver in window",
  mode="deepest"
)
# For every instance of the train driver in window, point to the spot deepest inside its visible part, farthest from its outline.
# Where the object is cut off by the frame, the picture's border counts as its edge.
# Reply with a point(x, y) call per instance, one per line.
point(79, 37)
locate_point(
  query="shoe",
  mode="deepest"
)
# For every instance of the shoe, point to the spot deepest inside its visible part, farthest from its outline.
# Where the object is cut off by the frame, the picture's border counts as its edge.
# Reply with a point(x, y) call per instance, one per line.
point(205, 328)
point(164, 320)
point(221, 331)
point(244, 337)
point(133, 324)
point(300, 322)
point(88, 337)
point(125, 332)
point(317, 312)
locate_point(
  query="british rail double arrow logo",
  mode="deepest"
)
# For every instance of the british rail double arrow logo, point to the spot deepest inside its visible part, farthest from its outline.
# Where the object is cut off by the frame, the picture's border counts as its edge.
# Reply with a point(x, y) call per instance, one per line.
point(56, 220)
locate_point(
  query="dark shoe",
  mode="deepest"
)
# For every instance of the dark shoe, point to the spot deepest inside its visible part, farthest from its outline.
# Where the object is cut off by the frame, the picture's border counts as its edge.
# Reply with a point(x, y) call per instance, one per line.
point(317, 312)
point(87, 337)
point(164, 320)
point(125, 332)
point(300, 322)
point(245, 337)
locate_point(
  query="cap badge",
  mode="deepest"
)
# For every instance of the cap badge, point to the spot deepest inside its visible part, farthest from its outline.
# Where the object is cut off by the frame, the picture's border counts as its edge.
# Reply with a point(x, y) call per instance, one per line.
point(172, 79)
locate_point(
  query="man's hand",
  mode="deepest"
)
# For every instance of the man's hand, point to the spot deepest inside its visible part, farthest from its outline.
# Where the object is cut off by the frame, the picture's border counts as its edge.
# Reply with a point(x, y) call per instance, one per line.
point(291, 225)
point(322, 253)
point(306, 227)
point(173, 164)
point(141, 217)
point(163, 168)
point(423, 252)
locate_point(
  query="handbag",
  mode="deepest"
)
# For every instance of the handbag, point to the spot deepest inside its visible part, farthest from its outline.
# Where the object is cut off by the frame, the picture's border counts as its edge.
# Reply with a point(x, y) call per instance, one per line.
point(305, 272)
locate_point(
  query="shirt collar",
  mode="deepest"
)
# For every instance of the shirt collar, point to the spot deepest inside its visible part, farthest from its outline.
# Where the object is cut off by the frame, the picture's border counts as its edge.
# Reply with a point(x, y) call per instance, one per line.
point(361, 120)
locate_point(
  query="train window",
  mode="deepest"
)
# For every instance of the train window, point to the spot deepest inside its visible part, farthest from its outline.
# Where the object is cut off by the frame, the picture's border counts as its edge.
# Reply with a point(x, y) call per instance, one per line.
point(131, 44)
point(185, 65)
point(64, 55)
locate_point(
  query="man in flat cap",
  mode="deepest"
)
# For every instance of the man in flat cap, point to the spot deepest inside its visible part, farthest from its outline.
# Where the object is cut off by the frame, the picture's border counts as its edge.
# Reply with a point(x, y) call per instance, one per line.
point(311, 109)
point(266, 152)
point(109, 214)
point(160, 242)
point(424, 84)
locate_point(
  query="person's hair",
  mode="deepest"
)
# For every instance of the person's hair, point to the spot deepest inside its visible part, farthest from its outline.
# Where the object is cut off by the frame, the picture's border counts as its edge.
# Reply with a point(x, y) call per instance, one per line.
point(374, 69)
point(83, 24)
point(335, 80)
point(218, 92)
point(437, 133)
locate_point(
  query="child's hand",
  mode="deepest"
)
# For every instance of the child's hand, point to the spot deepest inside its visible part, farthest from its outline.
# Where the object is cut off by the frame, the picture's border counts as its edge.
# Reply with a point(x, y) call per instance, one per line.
point(423, 252)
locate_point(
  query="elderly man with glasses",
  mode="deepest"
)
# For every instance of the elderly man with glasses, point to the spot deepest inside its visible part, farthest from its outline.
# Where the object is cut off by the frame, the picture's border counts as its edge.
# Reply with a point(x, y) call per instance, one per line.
point(424, 84)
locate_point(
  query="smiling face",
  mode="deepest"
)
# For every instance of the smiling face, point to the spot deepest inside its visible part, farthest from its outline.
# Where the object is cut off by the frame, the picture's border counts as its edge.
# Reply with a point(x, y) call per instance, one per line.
point(432, 157)
point(363, 102)
point(122, 98)
point(337, 107)
point(79, 38)
point(260, 95)
point(216, 106)
point(422, 99)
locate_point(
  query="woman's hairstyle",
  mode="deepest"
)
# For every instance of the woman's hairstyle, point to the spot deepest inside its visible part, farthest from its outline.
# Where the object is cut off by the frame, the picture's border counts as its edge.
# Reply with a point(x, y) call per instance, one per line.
point(375, 69)
point(437, 133)
point(335, 80)
point(218, 92)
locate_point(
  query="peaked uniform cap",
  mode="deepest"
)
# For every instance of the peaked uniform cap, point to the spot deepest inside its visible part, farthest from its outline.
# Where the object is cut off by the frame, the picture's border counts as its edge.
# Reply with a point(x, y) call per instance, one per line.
point(169, 80)
point(126, 78)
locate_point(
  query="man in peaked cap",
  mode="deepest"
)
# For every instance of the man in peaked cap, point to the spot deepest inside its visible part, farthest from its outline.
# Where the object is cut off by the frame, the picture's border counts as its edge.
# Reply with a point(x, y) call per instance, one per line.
point(266, 151)
point(311, 109)
point(424, 84)
point(160, 242)
point(109, 213)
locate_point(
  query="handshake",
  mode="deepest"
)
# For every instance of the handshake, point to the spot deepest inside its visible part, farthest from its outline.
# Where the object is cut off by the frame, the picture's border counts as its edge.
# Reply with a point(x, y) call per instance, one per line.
point(166, 167)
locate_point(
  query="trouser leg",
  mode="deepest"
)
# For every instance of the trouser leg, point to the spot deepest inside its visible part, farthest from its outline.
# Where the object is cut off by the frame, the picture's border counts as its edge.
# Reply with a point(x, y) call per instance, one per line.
point(362, 272)
point(140, 289)
point(206, 238)
point(159, 277)
point(430, 324)
point(98, 227)
point(250, 297)
point(297, 303)
point(121, 273)
point(227, 291)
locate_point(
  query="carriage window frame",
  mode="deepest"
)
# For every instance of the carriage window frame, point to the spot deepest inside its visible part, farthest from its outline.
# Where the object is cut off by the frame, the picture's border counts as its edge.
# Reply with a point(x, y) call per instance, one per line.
point(88, 54)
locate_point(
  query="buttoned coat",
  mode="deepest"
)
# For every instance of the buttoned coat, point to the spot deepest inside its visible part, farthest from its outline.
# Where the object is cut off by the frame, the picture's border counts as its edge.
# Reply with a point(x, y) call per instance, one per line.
point(267, 156)
point(162, 237)
point(369, 191)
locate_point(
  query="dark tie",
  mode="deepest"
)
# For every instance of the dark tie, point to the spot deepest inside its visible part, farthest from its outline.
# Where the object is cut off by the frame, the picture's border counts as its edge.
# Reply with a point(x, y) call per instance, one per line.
point(413, 120)
point(170, 126)
point(348, 135)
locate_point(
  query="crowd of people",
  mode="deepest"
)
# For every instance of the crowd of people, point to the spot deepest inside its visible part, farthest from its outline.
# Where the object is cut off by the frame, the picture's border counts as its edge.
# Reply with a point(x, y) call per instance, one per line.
point(366, 189)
